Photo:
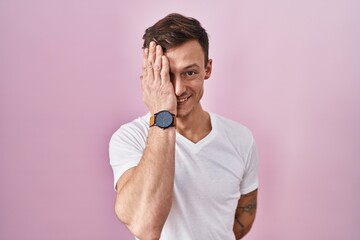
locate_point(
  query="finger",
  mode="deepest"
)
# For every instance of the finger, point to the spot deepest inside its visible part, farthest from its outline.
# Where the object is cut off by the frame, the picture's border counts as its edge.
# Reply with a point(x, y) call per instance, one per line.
point(144, 66)
point(145, 57)
point(151, 54)
point(157, 64)
point(165, 75)
point(151, 60)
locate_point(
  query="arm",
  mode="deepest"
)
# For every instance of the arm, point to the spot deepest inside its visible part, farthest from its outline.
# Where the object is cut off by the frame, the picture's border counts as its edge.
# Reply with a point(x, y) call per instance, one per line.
point(144, 193)
point(245, 214)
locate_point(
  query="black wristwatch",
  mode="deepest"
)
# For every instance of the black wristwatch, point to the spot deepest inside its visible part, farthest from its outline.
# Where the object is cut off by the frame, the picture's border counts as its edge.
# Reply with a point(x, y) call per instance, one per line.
point(163, 119)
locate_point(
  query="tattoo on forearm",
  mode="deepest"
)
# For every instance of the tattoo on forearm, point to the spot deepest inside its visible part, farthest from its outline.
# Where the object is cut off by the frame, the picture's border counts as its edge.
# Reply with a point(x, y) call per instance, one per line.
point(245, 214)
point(249, 208)
point(238, 221)
point(242, 230)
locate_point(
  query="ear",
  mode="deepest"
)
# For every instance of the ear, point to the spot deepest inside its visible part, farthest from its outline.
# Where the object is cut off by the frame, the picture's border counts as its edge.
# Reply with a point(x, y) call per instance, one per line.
point(208, 69)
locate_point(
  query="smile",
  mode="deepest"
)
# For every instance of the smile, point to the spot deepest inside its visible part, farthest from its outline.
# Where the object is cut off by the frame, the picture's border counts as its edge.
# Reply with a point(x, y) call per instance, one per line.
point(182, 100)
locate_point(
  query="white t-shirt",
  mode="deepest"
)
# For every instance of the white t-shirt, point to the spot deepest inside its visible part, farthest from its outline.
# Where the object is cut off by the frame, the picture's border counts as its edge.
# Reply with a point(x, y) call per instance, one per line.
point(210, 176)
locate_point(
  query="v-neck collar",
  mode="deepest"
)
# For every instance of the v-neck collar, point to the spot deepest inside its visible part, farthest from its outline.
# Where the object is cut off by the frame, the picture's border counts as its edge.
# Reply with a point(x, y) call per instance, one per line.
point(204, 141)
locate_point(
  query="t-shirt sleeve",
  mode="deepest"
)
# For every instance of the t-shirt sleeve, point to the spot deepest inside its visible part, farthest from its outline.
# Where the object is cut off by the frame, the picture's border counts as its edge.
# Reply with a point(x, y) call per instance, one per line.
point(125, 150)
point(250, 180)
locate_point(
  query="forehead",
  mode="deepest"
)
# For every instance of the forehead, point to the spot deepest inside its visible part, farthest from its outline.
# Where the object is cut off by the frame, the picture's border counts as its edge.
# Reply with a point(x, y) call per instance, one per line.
point(186, 54)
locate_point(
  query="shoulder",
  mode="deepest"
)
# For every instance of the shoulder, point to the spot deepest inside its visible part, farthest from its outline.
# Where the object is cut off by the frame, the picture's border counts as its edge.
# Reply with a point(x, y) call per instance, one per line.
point(133, 131)
point(231, 127)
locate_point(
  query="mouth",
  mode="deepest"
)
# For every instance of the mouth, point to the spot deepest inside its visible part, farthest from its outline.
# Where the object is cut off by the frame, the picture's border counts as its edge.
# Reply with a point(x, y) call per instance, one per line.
point(182, 99)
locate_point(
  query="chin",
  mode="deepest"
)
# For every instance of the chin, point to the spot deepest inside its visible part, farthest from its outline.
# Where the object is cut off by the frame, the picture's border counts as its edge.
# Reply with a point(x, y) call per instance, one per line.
point(184, 112)
point(181, 113)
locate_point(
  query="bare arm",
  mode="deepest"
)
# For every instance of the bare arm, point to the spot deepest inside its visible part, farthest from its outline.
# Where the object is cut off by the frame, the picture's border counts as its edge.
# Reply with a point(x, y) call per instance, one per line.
point(144, 193)
point(245, 214)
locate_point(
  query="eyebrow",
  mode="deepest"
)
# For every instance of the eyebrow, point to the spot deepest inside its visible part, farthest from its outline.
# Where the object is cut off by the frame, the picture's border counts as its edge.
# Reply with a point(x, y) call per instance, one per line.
point(191, 66)
point(194, 65)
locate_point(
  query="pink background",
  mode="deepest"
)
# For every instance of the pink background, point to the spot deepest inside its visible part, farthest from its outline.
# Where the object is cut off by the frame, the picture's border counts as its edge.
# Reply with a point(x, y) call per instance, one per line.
point(69, 76)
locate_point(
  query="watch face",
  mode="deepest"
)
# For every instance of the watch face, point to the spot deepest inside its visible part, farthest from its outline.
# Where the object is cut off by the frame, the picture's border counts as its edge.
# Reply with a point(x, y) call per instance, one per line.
point(164, 119)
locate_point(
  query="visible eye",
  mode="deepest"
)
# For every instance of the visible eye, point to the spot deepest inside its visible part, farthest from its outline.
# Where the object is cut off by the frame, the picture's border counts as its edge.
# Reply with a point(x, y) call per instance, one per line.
point(190, 74)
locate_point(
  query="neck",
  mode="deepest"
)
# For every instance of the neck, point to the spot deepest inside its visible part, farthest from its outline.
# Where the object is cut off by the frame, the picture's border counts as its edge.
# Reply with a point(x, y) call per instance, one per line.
point(194, 126)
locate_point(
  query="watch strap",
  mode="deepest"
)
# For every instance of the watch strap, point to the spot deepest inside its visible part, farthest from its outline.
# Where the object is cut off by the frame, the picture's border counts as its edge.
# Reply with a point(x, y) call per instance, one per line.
point(152, 120)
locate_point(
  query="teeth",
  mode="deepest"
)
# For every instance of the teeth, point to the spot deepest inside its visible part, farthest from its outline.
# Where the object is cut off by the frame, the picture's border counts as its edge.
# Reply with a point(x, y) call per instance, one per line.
point(180, 100)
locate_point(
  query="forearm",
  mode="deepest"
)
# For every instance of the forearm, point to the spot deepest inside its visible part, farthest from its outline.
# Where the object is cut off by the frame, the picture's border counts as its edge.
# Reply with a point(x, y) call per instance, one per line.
point(144, 201)
point(245, 214)
point(243, 227)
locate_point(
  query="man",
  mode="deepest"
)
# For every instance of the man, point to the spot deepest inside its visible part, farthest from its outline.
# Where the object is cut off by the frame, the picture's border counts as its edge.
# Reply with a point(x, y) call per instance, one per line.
point(181, 172)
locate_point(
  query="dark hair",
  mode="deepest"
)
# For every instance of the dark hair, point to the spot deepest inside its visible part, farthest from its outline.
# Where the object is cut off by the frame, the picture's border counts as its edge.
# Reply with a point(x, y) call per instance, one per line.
point(176, 29)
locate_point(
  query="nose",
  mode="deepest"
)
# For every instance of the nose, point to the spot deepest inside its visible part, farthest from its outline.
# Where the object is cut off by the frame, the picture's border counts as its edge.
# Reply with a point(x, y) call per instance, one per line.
point(179, 86)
